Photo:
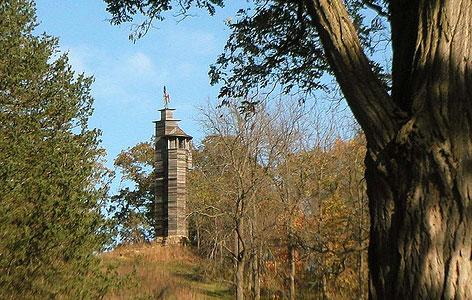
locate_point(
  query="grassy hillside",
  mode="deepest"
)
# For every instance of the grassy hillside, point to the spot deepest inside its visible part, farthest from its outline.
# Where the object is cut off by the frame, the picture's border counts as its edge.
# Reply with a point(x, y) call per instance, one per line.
point(157, 272)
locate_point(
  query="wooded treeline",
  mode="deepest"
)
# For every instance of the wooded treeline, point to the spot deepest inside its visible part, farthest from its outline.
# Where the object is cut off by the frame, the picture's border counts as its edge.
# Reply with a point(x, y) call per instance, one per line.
point(278, 210)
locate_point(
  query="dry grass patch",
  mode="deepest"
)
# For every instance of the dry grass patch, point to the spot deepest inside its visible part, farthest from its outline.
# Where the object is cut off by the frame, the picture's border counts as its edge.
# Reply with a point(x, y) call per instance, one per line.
point(162, 272)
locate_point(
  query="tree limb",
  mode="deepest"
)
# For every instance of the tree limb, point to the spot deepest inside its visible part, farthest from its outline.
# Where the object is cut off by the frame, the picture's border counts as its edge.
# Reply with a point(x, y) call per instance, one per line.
point(372, 106)
point(377, 8)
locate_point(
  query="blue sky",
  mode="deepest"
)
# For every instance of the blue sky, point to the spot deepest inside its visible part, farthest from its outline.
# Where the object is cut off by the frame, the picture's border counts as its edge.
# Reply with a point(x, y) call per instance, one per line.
point(129, 78)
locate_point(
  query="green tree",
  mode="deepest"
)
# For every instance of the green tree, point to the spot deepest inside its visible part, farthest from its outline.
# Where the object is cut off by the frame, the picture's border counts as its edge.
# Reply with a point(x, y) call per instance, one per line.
point(50, 174)
point(417, 129)
point(132, 207)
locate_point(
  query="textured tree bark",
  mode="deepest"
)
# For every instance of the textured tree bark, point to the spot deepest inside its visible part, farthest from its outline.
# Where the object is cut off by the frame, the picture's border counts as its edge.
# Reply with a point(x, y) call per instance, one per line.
point(420, 186)
point(364, 92)
point(419, 158)
point(250, 279)
point(420, 241)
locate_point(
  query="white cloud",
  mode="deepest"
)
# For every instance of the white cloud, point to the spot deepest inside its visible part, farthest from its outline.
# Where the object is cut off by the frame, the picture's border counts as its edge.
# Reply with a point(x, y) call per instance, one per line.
point(81, 58)
point(141, 63)
point(77, 62)
point(121, 78)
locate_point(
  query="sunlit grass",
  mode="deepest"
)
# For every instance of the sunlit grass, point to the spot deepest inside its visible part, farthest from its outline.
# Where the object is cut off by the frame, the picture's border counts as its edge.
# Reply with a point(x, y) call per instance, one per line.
point(158, 272)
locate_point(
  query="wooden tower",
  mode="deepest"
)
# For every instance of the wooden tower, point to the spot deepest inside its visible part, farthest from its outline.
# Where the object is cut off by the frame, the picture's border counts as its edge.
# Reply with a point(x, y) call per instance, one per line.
point(173, 160)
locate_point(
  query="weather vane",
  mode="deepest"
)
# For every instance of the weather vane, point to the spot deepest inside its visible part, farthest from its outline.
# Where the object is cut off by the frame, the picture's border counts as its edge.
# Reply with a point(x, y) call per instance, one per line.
point(166, 98)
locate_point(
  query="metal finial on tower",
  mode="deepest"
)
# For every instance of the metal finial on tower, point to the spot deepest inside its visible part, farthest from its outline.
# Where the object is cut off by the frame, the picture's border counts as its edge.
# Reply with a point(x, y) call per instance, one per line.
point(166, 98)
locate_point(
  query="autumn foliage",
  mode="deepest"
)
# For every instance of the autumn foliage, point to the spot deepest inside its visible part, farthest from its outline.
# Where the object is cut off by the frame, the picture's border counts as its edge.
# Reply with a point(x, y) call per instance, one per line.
point(270, 208)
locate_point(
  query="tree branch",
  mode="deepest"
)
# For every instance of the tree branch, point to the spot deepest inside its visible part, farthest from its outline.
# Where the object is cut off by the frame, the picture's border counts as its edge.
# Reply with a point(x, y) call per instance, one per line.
point(377, 8)
point(366, 95)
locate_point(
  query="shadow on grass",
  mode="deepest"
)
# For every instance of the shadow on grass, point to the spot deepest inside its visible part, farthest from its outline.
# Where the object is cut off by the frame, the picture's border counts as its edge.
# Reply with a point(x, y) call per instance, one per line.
point(187, 272)
point(220, 293)
point(194, 275)
point(190, 276)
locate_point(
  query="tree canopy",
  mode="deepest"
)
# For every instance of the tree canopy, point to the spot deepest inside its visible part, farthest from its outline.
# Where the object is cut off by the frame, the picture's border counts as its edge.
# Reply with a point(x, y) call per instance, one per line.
point(272, 42)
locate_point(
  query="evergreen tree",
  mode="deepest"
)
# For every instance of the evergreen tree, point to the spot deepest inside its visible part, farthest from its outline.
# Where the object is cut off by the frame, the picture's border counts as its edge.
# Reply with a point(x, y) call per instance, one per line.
point(50, 177)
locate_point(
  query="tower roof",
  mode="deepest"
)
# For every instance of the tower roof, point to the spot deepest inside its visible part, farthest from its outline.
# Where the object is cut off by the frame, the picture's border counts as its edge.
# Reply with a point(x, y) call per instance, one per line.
point(177, 131)
point(171, 127)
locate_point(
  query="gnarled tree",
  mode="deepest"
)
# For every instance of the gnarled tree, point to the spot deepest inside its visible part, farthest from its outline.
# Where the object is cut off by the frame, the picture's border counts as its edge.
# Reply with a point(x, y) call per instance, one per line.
point(418, 126)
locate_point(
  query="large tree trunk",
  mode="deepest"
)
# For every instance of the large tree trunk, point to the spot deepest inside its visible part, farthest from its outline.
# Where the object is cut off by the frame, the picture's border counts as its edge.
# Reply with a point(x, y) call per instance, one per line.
point(420, 186)
point(419, 158)
point(421, 226)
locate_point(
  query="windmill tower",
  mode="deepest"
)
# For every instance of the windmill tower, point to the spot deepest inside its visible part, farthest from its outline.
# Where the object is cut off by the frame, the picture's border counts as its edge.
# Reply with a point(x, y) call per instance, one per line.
point(173, 160)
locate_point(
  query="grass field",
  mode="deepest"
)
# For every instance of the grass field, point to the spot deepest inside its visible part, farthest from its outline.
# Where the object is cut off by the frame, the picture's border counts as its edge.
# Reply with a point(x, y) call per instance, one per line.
point(158, 272)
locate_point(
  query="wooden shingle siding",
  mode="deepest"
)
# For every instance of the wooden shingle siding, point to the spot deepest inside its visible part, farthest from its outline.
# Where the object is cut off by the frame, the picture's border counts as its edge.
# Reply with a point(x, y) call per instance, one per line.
point(173, 160)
